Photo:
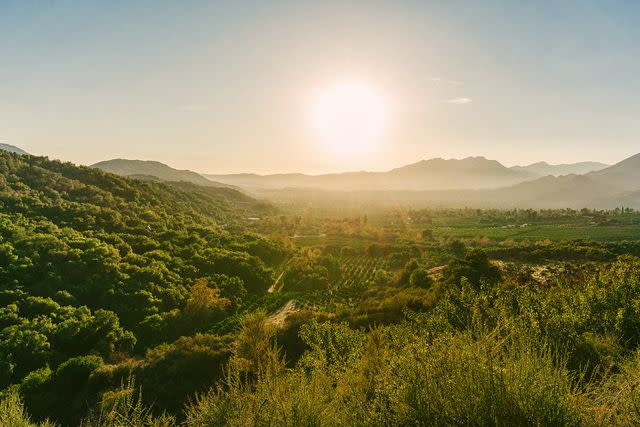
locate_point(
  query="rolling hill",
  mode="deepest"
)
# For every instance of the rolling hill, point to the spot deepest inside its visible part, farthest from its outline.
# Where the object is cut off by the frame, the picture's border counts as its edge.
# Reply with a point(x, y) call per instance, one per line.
point(152, 170)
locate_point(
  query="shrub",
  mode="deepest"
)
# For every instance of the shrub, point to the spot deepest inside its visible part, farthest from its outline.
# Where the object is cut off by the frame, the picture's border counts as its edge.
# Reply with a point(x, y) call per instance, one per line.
point(475, 267)
point(420, 278)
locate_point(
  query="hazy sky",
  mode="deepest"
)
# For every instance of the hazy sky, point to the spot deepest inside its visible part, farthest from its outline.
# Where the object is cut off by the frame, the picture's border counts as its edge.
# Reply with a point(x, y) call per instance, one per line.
point(227, 86)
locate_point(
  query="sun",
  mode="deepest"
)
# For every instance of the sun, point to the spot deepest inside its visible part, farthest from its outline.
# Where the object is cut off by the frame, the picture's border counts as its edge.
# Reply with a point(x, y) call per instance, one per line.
point(349, 118)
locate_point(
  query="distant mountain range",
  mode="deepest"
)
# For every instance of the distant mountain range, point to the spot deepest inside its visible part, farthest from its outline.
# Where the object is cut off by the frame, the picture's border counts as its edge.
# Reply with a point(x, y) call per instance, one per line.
point(149, 170)
point(614, 186)
point(12, 149)
point(609, 187)
point(434, 174)
point(544, 168)
point(473, 182)
point(426, 175)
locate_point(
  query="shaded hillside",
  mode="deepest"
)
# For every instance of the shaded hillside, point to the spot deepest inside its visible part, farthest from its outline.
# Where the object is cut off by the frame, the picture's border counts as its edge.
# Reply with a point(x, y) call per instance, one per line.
point(151, 170)
point(434, 174)
point(544, 168)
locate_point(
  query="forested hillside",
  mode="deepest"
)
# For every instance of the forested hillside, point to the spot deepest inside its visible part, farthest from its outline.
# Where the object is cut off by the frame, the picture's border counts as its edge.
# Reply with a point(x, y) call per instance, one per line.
point(95, 267)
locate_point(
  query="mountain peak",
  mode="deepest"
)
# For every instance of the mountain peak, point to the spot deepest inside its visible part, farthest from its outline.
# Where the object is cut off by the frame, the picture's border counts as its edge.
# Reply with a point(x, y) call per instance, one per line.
point(473, 161)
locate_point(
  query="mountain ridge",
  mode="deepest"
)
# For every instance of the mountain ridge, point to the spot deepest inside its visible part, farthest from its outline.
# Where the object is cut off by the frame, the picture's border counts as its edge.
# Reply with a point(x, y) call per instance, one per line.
point(153, 170)
point(431, 174)
point(544, 168)
point(472, 181)
point(614, 186)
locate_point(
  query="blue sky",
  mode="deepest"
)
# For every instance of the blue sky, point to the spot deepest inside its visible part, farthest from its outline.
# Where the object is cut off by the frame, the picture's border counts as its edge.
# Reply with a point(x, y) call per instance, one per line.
point(226, 86)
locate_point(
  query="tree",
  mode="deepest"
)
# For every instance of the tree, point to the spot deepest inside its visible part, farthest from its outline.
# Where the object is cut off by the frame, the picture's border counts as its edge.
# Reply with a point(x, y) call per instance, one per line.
point(420, 278)
point(204, 304)
point(231, 288)
point(475, 267)
point(405, 274)
point(457, 248)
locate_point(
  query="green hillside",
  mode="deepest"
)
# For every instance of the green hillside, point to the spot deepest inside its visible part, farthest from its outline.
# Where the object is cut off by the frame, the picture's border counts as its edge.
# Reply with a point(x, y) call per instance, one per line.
point(151, 170)
point(91, 263)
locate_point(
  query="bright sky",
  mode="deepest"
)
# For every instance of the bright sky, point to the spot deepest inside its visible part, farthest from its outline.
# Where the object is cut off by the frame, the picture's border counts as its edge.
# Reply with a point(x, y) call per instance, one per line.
point(230, 86)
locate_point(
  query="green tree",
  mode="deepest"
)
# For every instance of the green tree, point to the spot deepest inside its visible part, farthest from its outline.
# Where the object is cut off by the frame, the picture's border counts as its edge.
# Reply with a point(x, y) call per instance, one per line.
point(420, 278)
point(475, 267)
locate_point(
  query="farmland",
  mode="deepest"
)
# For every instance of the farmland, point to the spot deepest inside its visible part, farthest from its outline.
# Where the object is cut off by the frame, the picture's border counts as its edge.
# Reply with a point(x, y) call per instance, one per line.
point(358, 269)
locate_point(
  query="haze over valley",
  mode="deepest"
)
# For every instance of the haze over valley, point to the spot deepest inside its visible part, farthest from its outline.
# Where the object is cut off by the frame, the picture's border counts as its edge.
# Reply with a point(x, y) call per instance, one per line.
point(469, 182)
point(319, 213)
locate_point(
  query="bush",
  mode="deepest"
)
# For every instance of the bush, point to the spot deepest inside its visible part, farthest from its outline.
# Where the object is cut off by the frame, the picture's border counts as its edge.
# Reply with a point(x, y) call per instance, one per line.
point(475, 267)
point(420, 278)
point(64, 394)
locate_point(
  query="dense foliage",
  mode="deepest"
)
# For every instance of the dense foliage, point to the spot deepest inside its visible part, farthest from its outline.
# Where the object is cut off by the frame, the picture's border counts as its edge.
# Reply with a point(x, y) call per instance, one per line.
point(125, 302)
point(99, 266)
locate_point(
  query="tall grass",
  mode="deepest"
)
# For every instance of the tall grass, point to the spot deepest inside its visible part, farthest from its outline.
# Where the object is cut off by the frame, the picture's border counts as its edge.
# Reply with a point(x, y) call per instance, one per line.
point(615, 400)
point(492, 378)
point(12, 413)
point(123, 408)
point(394, 375)
point(488, 380)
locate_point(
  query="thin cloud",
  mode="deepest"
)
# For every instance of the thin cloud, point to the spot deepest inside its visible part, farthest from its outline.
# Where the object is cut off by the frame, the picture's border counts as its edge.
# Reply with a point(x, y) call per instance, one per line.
point(459, 101)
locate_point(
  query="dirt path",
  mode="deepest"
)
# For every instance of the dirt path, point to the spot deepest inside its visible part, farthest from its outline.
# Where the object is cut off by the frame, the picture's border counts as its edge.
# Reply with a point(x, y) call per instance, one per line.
point(279, 317)
point(436, 270)
point(273, 287)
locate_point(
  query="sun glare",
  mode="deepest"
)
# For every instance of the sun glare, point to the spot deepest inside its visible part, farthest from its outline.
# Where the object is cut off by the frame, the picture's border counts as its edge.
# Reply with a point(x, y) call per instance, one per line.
point(349, 118)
